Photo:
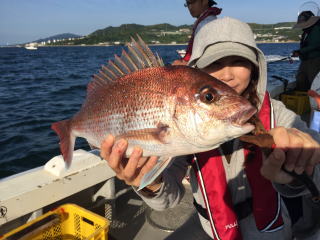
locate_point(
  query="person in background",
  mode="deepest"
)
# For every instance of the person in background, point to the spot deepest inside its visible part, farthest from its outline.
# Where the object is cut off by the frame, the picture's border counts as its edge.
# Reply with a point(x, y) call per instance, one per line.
point(204, 11)
point(238, 191)
point(309, 52)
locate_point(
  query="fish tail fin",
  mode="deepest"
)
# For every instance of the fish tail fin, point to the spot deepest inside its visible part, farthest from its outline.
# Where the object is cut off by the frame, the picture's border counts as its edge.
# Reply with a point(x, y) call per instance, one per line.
point(67, 139)
point(150, 176)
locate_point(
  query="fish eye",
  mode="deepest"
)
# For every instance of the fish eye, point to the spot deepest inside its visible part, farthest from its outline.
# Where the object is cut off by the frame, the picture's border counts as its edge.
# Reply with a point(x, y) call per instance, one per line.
point(208, 95)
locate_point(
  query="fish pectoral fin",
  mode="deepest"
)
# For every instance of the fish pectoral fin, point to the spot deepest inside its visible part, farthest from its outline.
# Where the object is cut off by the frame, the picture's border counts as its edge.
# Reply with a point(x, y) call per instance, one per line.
point(151, 176)
point(159, 134)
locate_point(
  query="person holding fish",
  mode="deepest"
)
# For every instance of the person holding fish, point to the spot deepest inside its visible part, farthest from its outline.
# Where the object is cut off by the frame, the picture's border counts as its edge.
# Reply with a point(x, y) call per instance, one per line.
point(239, 191)
point(204, 11)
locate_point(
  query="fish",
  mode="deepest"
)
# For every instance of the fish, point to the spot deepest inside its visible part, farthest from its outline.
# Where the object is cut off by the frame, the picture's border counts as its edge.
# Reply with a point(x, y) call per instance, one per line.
point(168, 111)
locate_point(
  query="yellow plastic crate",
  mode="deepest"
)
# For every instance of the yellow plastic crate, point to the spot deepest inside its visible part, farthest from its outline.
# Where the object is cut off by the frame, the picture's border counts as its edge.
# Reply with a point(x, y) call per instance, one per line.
point(68, 221)
point(296, 101)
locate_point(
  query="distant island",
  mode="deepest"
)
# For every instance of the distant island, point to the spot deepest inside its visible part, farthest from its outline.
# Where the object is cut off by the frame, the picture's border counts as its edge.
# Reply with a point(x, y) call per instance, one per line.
point(164, 34)
point(63, 36)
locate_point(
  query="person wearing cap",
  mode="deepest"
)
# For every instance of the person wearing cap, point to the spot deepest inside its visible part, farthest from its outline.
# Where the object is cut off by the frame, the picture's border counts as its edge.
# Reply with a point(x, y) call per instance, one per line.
point(238, 191)
point(204, 11)
point(309, 52)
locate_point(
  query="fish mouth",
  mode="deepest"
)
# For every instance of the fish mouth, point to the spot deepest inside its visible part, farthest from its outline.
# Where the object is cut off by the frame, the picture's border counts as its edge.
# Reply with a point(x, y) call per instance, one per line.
point(242, 118)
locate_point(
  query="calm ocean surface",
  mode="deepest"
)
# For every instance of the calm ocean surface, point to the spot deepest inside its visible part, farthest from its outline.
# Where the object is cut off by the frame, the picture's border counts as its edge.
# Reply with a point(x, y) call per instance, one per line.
point(40, 87)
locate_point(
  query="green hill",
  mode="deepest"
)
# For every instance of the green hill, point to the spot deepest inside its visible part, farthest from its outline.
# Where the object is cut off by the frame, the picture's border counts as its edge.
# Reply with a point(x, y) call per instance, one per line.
point(276, 32)
point(167, 33)
point(160, 33)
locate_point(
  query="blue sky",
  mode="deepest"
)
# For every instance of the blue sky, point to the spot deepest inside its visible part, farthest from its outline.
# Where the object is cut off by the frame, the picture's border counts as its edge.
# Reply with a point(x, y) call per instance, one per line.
point(28, 20)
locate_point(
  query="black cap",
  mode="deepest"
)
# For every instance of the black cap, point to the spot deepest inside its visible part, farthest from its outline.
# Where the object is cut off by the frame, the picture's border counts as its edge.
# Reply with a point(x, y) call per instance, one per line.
point(211, 3)
point(306, 19)
point(304, 16)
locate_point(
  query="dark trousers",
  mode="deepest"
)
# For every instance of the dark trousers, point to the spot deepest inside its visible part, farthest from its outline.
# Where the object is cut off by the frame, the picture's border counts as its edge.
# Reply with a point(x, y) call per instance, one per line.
point(307, 71)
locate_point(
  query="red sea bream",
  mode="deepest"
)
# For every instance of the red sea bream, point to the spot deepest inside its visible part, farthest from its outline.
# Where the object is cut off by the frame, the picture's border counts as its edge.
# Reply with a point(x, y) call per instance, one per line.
point(167, 110)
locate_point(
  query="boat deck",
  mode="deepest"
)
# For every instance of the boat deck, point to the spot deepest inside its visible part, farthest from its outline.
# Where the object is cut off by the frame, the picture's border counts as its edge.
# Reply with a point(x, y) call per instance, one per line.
point(132, 219)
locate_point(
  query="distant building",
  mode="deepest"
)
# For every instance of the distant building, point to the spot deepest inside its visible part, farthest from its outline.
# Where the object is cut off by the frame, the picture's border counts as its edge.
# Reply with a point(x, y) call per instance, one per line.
point(278, 28)
point(185, 30)
point(163, 33)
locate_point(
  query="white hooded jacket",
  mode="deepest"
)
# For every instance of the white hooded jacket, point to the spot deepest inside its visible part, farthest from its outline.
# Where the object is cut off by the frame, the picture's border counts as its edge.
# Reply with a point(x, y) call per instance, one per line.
point(172, 190)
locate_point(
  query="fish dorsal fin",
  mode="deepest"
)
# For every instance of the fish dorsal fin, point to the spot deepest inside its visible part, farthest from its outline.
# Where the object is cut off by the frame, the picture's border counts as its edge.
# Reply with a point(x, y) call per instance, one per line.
point(138, 56)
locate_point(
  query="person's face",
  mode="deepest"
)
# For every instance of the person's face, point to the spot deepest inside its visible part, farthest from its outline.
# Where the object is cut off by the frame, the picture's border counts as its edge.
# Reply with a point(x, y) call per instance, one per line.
point(196, 7)
point(235, 71)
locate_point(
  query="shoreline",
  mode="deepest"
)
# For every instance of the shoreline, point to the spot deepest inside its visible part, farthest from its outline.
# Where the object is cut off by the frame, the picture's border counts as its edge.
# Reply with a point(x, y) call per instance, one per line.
point(121, 45)
point(151, 44)
point(276, 42)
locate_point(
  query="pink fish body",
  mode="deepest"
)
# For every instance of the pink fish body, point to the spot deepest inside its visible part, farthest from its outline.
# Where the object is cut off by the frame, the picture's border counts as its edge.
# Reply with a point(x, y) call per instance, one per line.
point(168, 111)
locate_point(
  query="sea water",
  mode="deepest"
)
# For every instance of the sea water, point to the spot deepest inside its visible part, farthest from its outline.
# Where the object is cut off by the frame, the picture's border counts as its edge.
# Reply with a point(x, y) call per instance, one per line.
point(46, 85)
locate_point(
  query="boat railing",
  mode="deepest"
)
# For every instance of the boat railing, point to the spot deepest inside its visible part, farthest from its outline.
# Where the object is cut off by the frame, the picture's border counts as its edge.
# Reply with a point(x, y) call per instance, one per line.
point(24, 195)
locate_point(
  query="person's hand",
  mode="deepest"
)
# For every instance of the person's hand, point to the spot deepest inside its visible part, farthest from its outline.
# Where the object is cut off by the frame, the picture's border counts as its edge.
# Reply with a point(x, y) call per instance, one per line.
point(295, 53)
point(179, 62)
point(296, 150)
point(129, 170)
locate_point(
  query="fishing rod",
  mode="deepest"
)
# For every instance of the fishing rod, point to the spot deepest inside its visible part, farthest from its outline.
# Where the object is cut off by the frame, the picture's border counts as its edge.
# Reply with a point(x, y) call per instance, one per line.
point(283, 59)
point(283, 80)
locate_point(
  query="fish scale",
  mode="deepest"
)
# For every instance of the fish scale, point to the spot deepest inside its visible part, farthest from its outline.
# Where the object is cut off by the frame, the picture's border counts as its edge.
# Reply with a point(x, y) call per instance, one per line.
point(167, 110)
